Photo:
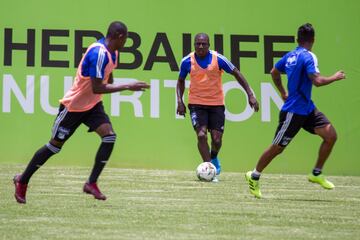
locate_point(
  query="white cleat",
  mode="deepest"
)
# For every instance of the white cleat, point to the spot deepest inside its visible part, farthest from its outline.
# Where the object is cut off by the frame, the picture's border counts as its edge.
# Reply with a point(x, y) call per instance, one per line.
point(215, 180)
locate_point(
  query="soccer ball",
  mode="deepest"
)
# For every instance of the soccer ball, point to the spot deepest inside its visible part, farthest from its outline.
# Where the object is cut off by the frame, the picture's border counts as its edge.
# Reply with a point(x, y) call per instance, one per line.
point(206, 171)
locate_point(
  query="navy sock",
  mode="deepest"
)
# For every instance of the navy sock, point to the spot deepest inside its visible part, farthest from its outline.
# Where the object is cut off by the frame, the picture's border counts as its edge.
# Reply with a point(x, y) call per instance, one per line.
point(255, 175)
point(39, 158)
point(213, 154)
point(316, 171)
point(102, 156)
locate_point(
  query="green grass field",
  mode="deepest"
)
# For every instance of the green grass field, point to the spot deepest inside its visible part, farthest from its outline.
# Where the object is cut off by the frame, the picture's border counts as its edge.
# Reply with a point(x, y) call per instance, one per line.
point(150, 204)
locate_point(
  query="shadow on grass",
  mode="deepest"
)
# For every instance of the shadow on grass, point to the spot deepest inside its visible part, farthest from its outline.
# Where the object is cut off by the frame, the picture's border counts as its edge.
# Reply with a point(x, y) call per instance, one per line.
point(302, 200)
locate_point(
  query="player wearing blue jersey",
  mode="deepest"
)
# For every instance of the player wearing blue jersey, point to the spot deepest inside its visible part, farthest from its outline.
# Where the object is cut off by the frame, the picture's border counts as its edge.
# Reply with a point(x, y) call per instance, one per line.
point(224, 63)
point(206, 97)
point(82, 104)
point(96, 60)
point(299, 111)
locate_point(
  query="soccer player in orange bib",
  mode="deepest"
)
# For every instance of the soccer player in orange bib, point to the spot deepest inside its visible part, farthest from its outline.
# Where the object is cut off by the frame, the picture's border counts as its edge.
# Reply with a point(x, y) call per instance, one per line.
point(206, 96)
point(83, 104)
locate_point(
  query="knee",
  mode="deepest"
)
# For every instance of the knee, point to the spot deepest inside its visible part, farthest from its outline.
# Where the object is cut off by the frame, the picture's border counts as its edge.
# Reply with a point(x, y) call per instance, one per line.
point(110, 138)
point(327, 133)
point(56, 143)
point(331, 137)
point(202, 136)
point(217, 142)
point(54, 147)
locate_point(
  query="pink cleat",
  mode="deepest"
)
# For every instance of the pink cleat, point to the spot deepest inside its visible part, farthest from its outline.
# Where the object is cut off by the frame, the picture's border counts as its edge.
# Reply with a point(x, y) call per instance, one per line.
point(20, 189)
point(92, 188)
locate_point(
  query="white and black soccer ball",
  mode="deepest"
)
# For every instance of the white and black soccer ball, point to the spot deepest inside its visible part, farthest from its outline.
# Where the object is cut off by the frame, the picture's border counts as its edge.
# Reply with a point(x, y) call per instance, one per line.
point(206, 171)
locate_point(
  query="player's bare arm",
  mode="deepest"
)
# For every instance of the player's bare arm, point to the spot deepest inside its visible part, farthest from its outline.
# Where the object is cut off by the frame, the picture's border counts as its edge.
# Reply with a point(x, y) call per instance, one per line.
point(111, 79)
point(276, 77)
point(180, 88)
point(319, 80)
point(242, 81)
point(99, 87)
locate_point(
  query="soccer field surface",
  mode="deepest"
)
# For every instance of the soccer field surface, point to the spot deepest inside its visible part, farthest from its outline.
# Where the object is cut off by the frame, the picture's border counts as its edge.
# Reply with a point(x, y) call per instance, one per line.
point(151, 204)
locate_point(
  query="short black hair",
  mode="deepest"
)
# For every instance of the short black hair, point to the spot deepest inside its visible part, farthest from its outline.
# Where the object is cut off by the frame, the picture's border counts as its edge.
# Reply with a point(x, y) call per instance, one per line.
point(306, 33)
point(115, 29)
point(204, 35)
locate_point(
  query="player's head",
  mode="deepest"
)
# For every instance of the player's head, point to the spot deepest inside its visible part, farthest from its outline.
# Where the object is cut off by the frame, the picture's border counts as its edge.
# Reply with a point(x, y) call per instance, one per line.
point(306, 34)
point(201, 44)
point(117, 33)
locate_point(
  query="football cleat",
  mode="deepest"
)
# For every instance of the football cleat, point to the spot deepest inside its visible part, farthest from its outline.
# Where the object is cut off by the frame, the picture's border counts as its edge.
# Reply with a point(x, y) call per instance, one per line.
point(93, 189)
point(20, 189)
point(320, 179)
point(216, 163)
point(253, 185)
point(215, 180)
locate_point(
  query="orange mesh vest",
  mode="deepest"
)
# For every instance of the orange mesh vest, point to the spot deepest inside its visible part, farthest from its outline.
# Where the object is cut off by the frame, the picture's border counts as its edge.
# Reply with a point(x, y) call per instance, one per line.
point(205, 84)
point(80, 97)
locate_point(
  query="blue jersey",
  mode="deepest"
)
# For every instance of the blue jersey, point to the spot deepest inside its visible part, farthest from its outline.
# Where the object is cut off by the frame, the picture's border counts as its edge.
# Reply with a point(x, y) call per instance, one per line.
point(224, 64)
point(298, 65)
point(95, 62)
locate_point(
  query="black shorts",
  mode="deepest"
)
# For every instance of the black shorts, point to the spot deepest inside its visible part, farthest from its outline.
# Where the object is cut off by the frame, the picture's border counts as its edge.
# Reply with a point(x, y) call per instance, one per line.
point(67, 122)
point(291, 123)
point(211, 116)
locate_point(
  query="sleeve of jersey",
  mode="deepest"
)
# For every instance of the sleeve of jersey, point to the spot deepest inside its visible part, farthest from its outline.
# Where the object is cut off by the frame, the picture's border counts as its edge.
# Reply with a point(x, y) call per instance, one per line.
point(311, 63)
point(98, 61)
point(280, 65)
point(185, 67)
point(225, 64)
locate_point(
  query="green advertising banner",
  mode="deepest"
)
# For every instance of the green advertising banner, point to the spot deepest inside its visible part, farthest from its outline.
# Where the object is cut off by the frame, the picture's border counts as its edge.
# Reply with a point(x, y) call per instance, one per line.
point(41, 44)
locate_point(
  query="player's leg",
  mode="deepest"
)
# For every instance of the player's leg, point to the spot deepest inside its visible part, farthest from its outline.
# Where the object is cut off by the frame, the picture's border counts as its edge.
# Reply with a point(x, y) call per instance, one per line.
point(99, 122)
point(289, 126)
point(253, 177)
point(268, 155)
point(38, 160)
point(64, 126)
point(216, 142)
point(329, 136)
point(216, 126)
point(199, 119)
point(318, 124)
point(108, 138)
point(203, 146)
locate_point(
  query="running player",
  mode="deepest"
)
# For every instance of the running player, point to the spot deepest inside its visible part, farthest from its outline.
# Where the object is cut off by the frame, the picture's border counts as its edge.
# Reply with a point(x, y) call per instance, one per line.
point(83, 104)
point(299, 111)
point(206, 97)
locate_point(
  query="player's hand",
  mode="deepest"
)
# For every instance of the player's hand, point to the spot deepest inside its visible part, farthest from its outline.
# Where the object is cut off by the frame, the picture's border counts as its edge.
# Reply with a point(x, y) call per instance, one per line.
point(181, 109)
point(138, 86)
point(339, 75)
point(284, 96)
point(253, 103)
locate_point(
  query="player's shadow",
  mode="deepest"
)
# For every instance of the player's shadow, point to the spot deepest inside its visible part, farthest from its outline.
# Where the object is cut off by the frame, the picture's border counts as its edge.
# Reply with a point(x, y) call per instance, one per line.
point(302, 200)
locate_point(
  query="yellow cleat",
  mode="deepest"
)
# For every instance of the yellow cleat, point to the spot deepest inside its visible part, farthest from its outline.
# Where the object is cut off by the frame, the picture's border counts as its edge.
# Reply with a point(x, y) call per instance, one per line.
point(253, 185)
point(320, 179)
